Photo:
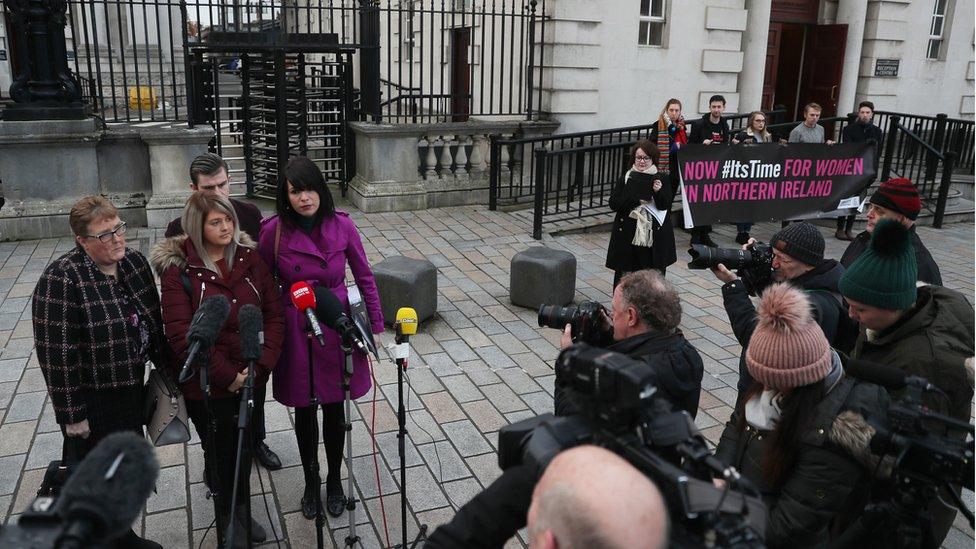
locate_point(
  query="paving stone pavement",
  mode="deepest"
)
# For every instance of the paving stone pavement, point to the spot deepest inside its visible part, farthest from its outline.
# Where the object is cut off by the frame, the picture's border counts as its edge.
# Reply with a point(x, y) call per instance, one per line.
point(480, 364)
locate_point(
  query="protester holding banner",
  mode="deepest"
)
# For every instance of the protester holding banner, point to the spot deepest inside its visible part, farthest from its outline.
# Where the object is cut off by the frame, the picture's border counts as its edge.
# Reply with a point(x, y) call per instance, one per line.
point(861, 131)
point(898, 200)
point(810, 131)
point(754, 134)
point(642, 236)
point(671, 134)
point(712, 129)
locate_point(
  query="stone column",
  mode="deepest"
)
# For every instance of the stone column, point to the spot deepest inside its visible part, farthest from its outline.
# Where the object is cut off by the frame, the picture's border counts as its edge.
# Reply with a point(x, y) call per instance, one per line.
point(852, 13)
point(755, 40)
point(170, 152)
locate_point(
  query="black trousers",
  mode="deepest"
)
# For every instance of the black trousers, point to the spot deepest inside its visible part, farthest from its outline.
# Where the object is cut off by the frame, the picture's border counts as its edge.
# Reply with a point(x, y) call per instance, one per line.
point(257, 420)
point(221, 453)
point(333, 435)
point(109, 411)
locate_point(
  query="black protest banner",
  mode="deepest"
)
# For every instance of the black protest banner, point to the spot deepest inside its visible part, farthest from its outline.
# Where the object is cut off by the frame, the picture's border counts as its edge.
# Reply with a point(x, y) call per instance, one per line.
point(740, 183)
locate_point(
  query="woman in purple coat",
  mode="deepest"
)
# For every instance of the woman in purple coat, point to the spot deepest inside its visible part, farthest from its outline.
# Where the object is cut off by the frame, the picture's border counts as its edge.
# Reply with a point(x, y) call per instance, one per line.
point(309, 240)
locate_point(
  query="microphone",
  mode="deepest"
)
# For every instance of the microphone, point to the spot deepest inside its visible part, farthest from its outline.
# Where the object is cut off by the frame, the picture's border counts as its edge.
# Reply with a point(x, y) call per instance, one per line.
point(406, 324)
point(330, 309)
point(250, 322)
point(888, 377)
point(361, 319)
point(108, 489)
point(203, 330)
point(303, 299)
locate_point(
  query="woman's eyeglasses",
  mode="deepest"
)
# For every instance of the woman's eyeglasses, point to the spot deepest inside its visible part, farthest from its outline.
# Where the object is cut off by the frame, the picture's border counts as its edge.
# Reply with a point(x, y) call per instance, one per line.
point(106, 237)
point(641, 158)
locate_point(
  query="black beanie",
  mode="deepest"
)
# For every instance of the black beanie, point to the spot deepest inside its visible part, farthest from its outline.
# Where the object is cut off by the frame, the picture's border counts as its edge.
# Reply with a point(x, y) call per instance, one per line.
point(801, 241)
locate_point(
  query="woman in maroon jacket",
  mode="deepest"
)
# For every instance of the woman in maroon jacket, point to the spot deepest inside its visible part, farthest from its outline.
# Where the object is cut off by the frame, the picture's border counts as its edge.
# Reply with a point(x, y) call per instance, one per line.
point(215, 258)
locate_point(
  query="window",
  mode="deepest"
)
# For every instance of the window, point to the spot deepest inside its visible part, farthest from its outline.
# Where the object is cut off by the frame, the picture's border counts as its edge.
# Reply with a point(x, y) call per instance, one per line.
point(937, 30)
point(651, 23)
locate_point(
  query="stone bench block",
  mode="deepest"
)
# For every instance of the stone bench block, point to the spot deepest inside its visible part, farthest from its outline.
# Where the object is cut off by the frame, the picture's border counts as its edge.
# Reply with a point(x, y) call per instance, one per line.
point(542, 275)
point(406, 282)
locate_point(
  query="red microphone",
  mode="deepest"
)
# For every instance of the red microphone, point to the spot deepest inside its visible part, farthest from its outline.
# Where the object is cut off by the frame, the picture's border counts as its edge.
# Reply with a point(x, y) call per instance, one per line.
point(303, 298)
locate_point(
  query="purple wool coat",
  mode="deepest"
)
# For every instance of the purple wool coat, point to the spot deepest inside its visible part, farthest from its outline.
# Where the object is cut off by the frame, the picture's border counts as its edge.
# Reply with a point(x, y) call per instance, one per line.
point(320, 259)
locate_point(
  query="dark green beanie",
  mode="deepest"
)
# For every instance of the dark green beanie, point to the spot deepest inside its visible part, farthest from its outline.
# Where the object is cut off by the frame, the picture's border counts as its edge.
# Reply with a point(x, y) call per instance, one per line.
point(884, 275)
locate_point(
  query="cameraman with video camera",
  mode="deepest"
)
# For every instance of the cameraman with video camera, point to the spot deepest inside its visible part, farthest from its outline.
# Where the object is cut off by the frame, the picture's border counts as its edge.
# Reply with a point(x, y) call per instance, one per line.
point(924, 331)
point(644, 317)
point(798, 258)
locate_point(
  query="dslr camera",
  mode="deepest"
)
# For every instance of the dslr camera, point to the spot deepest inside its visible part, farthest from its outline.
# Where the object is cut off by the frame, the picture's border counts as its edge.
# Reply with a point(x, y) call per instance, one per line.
point(586, 322)
point(754, 265)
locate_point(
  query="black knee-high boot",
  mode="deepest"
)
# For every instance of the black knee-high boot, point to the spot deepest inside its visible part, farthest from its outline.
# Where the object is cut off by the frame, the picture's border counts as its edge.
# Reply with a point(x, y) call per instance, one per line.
point(334, 436)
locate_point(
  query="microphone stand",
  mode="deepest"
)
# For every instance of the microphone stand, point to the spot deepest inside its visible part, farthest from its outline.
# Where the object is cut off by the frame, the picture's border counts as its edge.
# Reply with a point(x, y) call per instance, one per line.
point(243, 437)
point(209, 465)
point(313, 405)
point(401, 363)
point(351, 539)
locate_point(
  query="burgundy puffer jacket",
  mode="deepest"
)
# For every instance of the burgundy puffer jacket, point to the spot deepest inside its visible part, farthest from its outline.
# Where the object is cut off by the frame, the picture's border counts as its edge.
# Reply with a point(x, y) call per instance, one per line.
point(249, 281)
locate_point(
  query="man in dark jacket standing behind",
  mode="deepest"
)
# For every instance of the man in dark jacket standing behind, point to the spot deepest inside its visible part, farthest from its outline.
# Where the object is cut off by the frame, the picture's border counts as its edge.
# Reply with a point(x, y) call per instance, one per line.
point(798, 259)
point(712, 129)
point(645, 313)
point(862, 130)
point(209, 173)
point(898, 200)
point(925, 331)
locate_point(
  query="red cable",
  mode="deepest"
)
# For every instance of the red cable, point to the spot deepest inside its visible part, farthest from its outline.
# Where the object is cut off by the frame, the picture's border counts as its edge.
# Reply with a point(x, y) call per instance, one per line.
point(376, 465)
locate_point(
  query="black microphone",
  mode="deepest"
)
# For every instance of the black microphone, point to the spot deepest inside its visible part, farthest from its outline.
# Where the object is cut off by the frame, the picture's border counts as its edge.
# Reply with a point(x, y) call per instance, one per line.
point(360, 318)
point(107, 490)
point(888, 377)
point(203, 331)
point(250, 323)
point(329, 309)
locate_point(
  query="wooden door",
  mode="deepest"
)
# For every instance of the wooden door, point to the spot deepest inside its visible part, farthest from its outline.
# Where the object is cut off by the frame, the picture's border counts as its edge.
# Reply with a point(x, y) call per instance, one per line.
point(823, 64)
point(772, 65)
point(460, 74)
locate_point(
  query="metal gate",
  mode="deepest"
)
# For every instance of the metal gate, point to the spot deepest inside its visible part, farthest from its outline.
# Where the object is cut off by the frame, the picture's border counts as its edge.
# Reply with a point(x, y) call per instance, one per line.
point(267, 104)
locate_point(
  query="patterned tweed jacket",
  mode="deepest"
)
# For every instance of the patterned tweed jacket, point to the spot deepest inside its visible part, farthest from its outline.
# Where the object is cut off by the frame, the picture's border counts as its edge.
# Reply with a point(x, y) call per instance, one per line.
point(85, 331)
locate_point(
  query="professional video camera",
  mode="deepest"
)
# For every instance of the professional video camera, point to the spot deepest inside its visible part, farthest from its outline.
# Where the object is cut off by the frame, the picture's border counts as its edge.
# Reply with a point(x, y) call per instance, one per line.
point(585, 320)
point(929, 454)
point(754, 265)
point(92, 504)
point(623, 412)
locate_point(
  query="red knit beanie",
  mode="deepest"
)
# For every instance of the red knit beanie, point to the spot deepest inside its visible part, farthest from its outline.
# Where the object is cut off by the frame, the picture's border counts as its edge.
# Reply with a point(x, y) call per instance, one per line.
point(900, 195)
point(788, 349)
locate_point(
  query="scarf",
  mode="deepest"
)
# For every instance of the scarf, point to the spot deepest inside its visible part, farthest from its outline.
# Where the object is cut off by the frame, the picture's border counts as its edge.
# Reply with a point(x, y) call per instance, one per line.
point(644, 234)
point(763, 410)
point(669, 135)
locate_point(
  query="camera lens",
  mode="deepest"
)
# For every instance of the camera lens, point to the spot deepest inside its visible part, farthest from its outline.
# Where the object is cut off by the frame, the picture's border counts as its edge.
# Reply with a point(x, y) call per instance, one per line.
point(554, 316)
point(705, 257)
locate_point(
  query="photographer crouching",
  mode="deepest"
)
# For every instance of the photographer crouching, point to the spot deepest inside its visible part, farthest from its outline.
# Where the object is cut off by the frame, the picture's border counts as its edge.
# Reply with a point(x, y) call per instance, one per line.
point(642, 324)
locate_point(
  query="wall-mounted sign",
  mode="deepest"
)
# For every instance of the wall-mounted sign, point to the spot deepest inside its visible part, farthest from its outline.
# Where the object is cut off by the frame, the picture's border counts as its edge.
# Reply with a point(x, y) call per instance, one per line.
point(3, 55)
point(886, 68)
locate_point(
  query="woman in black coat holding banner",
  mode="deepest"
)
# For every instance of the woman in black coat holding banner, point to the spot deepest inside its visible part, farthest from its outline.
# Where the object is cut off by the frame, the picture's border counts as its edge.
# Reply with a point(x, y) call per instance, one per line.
point(637, 240)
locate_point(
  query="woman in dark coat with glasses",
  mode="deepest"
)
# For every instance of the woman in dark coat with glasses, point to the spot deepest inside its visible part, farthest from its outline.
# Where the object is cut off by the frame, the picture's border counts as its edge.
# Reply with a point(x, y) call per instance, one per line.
point(641, 184)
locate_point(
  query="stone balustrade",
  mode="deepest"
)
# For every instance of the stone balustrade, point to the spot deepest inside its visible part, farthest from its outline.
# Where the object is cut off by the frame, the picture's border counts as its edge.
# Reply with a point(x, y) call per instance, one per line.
point(416, 166)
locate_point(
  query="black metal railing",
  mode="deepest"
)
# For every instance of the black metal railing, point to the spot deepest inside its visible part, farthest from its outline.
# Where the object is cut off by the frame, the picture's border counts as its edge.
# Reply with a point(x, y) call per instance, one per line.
point(929, 165)
point(575, 183)
point(511, 179)
point(127, 54)
point(438, 59)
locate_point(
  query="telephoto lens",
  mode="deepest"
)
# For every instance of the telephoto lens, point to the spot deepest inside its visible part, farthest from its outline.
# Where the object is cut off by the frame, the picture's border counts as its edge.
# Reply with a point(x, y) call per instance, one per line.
point(704, 257)
point(556, 317)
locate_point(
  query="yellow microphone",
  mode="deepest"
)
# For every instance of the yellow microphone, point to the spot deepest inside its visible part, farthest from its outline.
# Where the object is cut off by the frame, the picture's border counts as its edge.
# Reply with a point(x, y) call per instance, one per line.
point(406, 323)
